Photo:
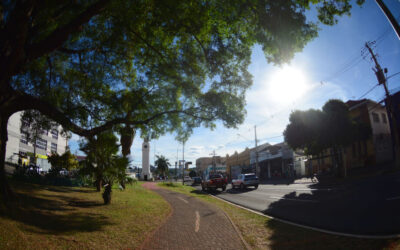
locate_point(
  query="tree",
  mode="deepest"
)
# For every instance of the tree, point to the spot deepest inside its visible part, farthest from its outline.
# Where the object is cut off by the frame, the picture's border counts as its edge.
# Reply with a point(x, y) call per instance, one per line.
point(316, 130)
point(33, 126)
point(103, 163)
point(162, 164)
point(58, 162)
point(305, 131)
point(91, 65)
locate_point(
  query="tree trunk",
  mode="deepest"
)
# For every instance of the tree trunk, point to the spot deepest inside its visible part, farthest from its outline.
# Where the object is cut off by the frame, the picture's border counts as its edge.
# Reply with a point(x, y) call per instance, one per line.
point(99, 183)
point(5, 189)
point(107, 193)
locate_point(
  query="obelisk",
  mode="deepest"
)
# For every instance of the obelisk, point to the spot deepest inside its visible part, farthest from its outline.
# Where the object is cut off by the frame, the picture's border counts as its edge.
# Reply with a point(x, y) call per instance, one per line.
point(146, 173)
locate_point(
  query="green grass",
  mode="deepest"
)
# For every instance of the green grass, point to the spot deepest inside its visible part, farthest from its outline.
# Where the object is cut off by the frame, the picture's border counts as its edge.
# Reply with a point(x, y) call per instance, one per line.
point(48, 217)
point(263, 233)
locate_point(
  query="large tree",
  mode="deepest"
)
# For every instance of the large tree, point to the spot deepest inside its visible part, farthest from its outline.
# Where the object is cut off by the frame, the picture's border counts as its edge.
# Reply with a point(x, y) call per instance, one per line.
point(160, 65)
point(329, 128)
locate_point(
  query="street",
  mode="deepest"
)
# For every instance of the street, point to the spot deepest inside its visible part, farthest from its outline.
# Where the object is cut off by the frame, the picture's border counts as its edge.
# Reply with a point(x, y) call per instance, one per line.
point(364, 207)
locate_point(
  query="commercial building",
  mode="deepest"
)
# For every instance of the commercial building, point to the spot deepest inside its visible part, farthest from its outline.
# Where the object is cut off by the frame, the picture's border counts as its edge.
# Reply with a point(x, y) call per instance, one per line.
point(278, 161)
point(205, 165)
point(18, 148)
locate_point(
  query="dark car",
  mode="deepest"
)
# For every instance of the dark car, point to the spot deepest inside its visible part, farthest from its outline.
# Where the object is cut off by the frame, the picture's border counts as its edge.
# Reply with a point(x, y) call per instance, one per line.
point(214, 181)
point(196, 180)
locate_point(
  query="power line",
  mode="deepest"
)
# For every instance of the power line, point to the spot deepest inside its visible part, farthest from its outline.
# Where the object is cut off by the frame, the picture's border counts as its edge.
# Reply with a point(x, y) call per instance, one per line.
point(354, 60)
point(369, 91)
point(395, 74)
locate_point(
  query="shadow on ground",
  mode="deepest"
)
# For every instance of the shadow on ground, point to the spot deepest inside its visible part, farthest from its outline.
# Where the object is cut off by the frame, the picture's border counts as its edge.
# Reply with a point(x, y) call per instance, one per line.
point(54, 212)
point(329, 211)
point(285, 236)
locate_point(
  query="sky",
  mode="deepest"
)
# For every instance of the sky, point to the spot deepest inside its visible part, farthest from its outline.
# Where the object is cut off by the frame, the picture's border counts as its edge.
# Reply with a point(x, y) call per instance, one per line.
point(334, 65)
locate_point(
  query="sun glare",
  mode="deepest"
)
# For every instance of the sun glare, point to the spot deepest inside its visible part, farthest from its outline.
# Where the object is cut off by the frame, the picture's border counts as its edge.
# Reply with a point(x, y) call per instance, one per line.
point(287, 85)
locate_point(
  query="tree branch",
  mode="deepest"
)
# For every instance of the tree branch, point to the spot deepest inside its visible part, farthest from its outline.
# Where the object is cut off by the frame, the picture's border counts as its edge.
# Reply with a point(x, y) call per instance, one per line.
point(24, 101)
point(60, 35)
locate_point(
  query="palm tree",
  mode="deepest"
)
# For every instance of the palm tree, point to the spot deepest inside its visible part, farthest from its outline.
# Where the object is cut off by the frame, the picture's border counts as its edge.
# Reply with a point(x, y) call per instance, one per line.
point(162, 164)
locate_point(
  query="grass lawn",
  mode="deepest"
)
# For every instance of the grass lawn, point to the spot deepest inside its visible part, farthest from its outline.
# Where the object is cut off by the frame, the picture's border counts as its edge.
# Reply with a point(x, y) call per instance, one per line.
point(49, 217)
point(263, 233)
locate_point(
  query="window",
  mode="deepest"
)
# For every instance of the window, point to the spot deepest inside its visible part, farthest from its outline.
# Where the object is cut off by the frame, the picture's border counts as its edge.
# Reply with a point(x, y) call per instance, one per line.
point(23, 138)
point(54, 133)
point(53, 147)
point(375, 117)
point(384, 119)
point(40, 143)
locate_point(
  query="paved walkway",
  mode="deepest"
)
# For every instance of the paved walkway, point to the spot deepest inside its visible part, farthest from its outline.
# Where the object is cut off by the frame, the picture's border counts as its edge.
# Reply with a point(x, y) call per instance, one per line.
point(193, 224)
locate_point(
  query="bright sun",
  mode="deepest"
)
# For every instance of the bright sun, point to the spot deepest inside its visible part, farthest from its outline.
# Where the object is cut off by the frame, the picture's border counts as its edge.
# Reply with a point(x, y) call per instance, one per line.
point(287, 85)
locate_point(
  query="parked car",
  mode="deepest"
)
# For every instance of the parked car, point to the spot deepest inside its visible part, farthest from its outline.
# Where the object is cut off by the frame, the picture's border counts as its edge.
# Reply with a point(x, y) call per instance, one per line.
point(64, 172)
point(245, 180)
point(214, 181)
point(187, 179)
point(196, 180)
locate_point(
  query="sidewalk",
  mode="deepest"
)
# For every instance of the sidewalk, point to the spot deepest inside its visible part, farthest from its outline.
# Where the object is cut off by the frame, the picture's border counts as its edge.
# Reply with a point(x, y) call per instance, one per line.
point(193, 224)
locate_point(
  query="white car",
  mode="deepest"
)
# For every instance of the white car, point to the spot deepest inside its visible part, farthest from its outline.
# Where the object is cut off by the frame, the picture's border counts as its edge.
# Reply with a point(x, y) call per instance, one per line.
point(245, 180)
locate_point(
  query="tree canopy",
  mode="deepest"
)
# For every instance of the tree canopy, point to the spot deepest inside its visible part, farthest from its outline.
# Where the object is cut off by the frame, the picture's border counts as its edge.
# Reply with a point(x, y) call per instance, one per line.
point(331, 127)
point(151, 65)
point(162, 164)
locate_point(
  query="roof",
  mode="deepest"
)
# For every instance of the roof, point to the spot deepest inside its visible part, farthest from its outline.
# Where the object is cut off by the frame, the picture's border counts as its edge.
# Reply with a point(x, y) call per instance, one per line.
point(353, 104)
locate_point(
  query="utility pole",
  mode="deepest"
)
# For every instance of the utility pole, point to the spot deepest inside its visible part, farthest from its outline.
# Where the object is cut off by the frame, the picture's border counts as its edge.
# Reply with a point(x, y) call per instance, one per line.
point(255, 141)
point(390, 17)
point(176, 164)
point(183, 163)
point(382, 80)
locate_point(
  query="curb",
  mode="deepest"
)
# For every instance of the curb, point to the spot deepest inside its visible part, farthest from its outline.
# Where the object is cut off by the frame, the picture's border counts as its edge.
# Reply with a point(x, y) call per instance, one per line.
point(374, 237)
point(246, 245)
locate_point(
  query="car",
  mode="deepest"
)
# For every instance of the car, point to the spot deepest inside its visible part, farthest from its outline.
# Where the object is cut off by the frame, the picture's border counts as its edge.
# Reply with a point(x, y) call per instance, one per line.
point(64, 172)
point(214, 181)
point(196, 180)
point(245, 180)
point(187, 179)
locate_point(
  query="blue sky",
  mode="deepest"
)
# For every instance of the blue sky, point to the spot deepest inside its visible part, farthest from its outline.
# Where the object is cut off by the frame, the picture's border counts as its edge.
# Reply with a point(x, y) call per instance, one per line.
point(331, 66)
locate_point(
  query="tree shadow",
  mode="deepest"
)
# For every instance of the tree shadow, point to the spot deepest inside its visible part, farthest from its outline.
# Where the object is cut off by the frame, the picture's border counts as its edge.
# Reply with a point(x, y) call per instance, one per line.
point(63, 189)
point(54, 214)
point(337, 211)
point(285, 236)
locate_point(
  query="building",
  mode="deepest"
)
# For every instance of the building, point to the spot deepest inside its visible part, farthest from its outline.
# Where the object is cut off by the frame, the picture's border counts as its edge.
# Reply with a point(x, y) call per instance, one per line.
point(238, 163)
point(278, 161)
point(205, 165)
point(374, 151)
point(18, 149)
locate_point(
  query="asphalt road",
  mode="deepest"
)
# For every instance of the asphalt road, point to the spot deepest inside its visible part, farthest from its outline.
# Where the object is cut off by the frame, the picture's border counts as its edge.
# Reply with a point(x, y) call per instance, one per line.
point(365, 207)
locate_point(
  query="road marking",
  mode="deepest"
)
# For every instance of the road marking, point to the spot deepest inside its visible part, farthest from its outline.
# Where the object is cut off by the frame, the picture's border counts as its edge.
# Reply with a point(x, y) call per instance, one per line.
point(282, 198)
point(393, 198)
point(197, 225)
point(183, 200)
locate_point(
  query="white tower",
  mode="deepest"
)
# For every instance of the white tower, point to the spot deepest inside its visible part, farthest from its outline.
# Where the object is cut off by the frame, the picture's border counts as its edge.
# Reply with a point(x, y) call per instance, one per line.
point(146, 173)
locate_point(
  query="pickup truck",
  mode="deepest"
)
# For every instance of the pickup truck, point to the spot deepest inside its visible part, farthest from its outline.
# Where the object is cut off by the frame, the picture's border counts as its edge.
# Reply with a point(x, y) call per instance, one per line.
point(245, 180)
point(214, 181)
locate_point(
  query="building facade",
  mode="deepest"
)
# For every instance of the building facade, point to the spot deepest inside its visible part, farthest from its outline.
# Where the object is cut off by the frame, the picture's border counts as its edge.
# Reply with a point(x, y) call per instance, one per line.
point(18, 149)
point(205, 165)
point(278, 161)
